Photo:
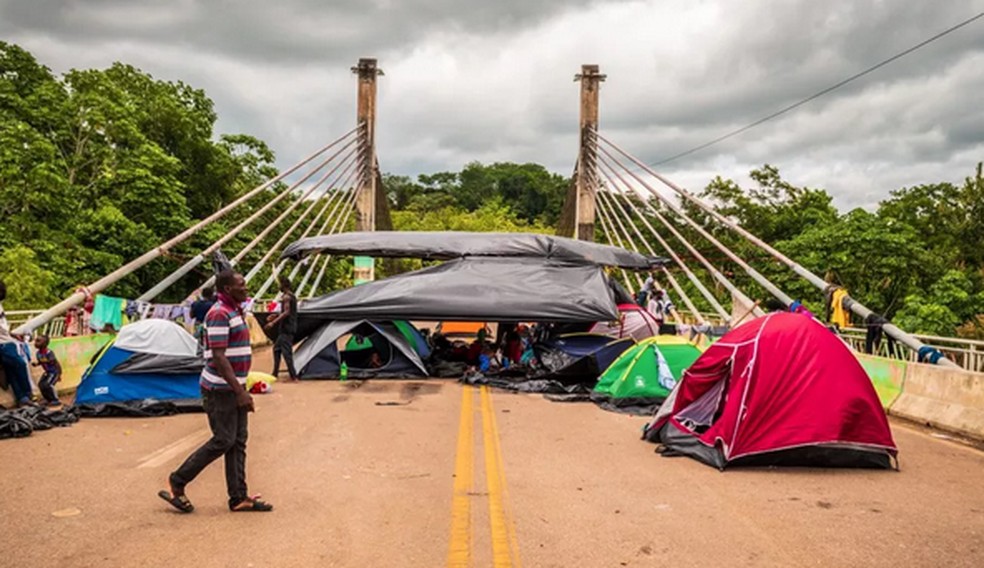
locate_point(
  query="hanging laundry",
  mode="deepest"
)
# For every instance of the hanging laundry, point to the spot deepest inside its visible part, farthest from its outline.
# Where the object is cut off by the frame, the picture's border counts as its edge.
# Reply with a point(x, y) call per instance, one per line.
point(161, 311)
point(107, 311)
point(136, 309)
point(177, 313)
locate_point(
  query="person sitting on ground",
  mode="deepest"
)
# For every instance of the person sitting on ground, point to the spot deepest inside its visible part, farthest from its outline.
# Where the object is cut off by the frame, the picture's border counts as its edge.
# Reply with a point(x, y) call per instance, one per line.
point(486, 359)
point(52, 369)
point(375, 361)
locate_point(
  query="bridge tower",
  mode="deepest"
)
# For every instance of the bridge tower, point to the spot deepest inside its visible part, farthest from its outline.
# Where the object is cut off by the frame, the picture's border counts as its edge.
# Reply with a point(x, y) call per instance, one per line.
point(365, 211)
point(586, 176)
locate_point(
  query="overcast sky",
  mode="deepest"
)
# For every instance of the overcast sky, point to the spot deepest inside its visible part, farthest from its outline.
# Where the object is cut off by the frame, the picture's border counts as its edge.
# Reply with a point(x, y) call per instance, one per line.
point(493, 80)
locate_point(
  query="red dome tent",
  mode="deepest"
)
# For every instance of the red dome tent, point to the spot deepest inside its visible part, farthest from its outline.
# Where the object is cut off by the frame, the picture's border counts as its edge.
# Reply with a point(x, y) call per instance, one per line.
point(778, 390)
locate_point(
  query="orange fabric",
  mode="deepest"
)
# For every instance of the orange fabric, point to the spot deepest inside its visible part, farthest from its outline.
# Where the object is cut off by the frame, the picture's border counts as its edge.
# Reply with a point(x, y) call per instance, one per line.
point(461, 327)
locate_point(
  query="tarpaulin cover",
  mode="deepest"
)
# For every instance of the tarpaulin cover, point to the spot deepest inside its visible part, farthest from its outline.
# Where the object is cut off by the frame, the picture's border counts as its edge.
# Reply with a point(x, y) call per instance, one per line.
point(23, 421)
point(154, 364)
point(781, 389)
point(447, 245)
point(157, 336)
point(476, 289)
point(139, 408)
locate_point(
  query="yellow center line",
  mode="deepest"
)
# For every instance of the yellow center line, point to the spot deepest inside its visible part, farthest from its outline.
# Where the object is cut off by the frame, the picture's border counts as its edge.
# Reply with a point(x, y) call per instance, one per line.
point(459, 550)
point(505, 552)
point(510, 521)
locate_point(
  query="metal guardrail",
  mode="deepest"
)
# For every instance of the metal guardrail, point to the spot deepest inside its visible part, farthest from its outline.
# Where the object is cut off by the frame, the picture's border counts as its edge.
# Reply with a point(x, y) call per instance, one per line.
point(967, 353)
point(54, 328)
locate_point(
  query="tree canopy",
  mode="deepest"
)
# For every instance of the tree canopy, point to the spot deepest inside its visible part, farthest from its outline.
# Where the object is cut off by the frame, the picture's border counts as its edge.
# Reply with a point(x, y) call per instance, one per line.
point(99, 166)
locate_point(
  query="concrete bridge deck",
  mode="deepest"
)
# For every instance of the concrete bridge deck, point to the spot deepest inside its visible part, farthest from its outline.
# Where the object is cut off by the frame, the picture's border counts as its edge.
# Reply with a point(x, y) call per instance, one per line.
point(366, 476)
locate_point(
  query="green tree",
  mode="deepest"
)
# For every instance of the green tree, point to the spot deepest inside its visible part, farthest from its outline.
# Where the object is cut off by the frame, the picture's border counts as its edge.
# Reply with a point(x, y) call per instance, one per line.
point(28, 285)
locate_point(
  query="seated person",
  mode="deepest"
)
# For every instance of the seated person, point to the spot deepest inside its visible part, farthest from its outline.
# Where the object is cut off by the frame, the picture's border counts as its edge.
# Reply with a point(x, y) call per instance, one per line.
point(375, 361)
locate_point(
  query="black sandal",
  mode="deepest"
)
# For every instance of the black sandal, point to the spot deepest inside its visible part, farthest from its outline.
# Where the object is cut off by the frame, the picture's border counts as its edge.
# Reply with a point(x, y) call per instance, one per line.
point(251, 504)
point(179, 502)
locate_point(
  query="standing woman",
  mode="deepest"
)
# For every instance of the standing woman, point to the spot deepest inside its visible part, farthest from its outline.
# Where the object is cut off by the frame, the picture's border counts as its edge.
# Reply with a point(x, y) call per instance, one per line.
point(284, 346)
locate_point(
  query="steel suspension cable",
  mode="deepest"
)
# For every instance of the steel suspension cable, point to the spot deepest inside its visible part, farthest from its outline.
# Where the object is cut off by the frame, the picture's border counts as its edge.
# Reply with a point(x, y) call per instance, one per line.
point(314, 261)
point(848, 302)
point(335, 195)
point(734, 290)
point(603, 216)
point(613, 203)
point(279, 267)
point(337, 228)
point(280, 218)
point(605, 202)
point(680, 262)
point(200, 257)
point(755, 274)
point(123, 271)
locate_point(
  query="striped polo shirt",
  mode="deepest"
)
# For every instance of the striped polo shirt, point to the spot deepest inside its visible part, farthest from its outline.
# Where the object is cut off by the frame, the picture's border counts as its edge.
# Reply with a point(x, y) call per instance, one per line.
point(225, 328)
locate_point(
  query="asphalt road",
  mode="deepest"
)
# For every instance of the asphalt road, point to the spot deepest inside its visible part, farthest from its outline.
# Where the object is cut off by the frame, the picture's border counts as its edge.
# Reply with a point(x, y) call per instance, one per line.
point(430, 473)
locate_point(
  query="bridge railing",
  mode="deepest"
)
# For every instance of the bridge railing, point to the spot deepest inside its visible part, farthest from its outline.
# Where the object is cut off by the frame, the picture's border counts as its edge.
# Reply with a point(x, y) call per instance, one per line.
point(968, 353)
point(54, 328)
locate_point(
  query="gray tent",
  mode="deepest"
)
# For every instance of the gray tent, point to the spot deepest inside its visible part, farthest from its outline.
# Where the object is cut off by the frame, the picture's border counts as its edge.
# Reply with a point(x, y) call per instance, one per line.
point(319, 358)
point(447, 245)
point(477, 289)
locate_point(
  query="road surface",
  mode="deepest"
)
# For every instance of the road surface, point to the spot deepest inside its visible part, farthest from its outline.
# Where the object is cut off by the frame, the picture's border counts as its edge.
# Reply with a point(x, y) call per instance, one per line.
point(430, 473)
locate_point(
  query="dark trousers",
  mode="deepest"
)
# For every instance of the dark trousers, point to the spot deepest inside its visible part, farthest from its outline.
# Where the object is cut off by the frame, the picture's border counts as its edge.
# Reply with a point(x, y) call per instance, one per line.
point(284, 346)
point(47, 386)
point(229, 431)
point(18, 375)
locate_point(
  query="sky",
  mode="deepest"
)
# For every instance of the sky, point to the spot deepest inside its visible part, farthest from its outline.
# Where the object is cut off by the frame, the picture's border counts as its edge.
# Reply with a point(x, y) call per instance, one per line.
point(493, 81)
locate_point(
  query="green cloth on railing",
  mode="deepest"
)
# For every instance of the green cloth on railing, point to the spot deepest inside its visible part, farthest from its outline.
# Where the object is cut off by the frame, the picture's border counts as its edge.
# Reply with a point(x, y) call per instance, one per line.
point(107, 310)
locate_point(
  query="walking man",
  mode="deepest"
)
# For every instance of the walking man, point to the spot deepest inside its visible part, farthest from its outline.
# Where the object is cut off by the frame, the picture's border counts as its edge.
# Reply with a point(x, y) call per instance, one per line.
point(284, 346)
point(225, 399)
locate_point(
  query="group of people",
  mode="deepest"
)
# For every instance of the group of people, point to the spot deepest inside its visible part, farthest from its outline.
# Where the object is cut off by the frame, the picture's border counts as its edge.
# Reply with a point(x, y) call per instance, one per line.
point(653, 299)
point(509, 350)
point(15, 361)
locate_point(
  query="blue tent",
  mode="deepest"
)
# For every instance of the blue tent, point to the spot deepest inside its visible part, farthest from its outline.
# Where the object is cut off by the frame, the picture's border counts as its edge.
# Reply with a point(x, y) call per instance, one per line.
point(149, 360)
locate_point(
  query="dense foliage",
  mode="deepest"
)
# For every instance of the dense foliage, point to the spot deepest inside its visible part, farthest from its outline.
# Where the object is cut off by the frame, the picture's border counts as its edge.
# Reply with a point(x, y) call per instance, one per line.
point(99, 166)
point(917, 258)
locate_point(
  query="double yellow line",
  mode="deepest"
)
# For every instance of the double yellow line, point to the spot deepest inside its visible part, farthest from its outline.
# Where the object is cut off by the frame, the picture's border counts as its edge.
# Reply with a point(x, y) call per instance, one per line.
point(505, 549)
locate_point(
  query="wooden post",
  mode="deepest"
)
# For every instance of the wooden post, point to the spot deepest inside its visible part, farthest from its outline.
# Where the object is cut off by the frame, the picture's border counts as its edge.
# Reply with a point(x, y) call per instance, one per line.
point(587, 163)
point(365, 212)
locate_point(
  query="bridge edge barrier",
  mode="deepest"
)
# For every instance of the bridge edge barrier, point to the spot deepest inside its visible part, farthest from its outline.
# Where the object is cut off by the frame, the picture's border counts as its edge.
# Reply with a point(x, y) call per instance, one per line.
point(944, 398)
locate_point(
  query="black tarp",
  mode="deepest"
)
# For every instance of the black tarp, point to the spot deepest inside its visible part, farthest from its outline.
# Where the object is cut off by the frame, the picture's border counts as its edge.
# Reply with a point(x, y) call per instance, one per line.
point(447, 245)
point(24, 421)
point(139, 408)
point(476, 289)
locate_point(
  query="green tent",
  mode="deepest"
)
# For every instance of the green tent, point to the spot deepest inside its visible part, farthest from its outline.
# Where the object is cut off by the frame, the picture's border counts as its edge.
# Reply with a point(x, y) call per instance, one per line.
point(407, 329)
point(643, 376)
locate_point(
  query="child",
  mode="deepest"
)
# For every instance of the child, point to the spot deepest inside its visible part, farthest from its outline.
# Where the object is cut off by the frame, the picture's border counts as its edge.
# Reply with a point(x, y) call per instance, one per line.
point(52, 370)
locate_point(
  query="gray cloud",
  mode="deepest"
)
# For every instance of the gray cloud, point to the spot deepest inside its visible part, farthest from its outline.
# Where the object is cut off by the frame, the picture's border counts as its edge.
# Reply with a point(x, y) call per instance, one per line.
point(492, 81)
